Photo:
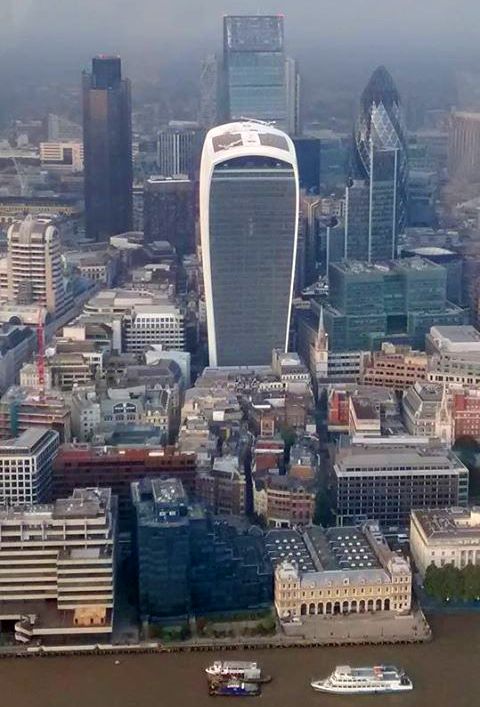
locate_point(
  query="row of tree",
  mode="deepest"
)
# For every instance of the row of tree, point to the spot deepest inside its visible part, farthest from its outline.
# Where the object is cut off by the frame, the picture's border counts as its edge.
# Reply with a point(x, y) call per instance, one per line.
point(449, 583)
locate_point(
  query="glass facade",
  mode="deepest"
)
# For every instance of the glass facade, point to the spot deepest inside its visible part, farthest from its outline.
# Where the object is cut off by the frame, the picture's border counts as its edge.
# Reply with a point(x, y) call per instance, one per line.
point(252, 223)
point(107, 138)
point(188, 562)
point(254, 66)
point(398, 302)
point(380, 161)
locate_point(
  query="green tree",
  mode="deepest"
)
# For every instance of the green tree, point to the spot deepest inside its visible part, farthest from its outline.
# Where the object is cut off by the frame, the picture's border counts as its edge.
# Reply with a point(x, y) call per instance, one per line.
point(471, 582)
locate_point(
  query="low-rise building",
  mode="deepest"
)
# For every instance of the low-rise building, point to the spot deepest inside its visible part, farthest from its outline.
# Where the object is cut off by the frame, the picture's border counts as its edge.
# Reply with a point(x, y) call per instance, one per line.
point(117, 468)
point(347, 570)
point(222, 489)
point(284, 501)
point(22, 408)
point(466, 413)
point(57, 567)
point(396, 367)
point(445, 536)
point(427, 411)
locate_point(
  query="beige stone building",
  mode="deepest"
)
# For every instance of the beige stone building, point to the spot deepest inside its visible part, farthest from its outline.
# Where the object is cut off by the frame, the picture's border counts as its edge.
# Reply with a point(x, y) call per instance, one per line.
point(396, 367)
point(445, 536)
point(343, 571)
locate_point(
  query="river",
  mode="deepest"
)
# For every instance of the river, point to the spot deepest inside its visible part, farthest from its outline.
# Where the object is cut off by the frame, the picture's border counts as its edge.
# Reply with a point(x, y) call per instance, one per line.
point(446, 673)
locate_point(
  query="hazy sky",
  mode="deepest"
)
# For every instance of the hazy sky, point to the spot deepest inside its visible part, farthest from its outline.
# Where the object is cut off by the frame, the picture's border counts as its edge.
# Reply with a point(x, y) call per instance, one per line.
point(59, 30)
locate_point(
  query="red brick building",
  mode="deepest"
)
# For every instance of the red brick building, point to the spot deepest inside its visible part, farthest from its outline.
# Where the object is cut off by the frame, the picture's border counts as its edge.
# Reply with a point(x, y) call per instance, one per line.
point(78, 466)
point(466, 414)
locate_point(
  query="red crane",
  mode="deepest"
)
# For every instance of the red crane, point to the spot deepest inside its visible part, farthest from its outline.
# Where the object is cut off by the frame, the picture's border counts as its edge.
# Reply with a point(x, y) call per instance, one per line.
point(41, 351)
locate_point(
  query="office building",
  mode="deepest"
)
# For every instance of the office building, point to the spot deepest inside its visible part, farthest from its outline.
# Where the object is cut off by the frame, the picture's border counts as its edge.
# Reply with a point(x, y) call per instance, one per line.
point(376, 197)
point(17, 344)
point(448, 259)
point(57, 567)
point(445, 536)
point(249, 205)
point(464, 146)
point(427, 411)
point(107, 144)
point(178, 149)
point(210, 86)
point(117, 467)
point(397, 301)
point(308, 156)
point(34, 266)
point(349, 570)
point(386, 483)
point(397, 367)
point(169, 212)
point(259, 81)
point(254, 67)
point(26, 465)
point(24, 408)
point(190, 564)
point(455, 359)
point(66, 156)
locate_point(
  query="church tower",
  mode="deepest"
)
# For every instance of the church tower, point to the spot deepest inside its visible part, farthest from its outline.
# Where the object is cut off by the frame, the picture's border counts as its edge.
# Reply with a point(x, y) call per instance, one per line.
point(319, 353)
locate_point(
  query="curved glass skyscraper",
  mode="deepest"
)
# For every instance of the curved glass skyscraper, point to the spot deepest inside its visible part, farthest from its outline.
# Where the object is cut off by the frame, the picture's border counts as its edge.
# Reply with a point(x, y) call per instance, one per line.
point(377, 193)
point(249, 198)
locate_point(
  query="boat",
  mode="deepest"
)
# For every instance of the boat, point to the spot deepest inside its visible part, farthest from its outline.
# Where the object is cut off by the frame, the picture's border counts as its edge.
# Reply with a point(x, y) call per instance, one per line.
point(234, 688)
point(240, 669)
point(380, 678)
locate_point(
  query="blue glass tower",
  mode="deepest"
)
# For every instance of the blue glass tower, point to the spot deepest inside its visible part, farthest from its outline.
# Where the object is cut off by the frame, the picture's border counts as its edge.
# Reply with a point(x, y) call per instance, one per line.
point(377, 193)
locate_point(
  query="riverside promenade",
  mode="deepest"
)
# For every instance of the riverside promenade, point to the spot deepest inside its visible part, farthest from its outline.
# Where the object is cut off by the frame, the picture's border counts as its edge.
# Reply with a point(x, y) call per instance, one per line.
point(359, 630)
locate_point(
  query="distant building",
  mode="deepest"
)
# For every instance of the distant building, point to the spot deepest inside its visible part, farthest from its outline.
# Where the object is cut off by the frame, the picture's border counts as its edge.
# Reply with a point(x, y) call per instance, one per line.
point(259, 81)
point(107, 143)
point(178, 149)
point(248, 170)
point(308, 156)
point(169, 212)
point(376, 198)
point(445, 536)
point(464, 146)
point(466, 413)
point(62, 155)
point(17, 344)
point(35, 266)
point(26, 466)
point(190, 564)
point(455, 356)
point(57, 581)
point(347, 570)
point(210, 78)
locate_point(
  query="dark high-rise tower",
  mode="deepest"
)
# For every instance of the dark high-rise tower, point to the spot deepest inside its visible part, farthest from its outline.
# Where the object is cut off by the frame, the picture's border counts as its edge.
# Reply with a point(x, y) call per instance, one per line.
point(107, 140)
point(376, 198)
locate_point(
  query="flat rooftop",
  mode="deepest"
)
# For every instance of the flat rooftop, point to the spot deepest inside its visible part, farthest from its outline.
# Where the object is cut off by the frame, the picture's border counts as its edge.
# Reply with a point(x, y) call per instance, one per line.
point(450, 523)
point(457, 334)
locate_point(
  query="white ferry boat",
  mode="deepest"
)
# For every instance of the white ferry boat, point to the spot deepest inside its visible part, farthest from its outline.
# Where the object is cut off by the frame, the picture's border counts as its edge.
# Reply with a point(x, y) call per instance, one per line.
point(239, 669)
point(381, 678)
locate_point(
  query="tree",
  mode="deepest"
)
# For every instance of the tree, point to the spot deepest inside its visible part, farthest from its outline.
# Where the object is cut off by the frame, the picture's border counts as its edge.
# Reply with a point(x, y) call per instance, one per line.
point(323, 513)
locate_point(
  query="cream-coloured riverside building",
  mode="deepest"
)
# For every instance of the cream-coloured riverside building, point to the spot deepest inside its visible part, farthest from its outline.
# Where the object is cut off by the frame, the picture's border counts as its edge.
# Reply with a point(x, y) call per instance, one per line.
point(57, 566)
point(445, 536)
point(345, 571)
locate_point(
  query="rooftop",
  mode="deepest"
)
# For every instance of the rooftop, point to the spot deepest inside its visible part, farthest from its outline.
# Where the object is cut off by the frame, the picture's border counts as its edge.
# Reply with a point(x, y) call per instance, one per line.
point(450, 523)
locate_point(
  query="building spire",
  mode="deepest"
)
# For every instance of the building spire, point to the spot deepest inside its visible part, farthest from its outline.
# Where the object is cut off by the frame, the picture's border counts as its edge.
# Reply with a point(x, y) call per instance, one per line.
point(322, 336)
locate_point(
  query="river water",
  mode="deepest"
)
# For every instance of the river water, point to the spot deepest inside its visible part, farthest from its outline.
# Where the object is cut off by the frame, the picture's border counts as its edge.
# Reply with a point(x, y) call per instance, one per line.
point(446, 673)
